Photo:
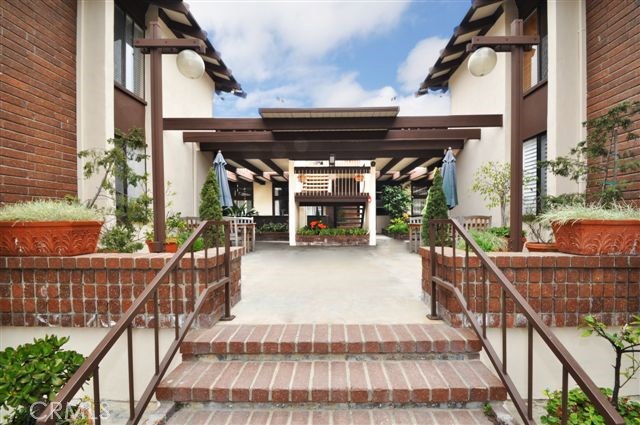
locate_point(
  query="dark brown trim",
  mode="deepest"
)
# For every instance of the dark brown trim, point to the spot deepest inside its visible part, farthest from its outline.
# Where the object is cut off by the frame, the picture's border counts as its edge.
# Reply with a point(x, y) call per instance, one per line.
point(308, 200)
point(269, 163)
point(407, 122)
point(389, 165)
point(366, 110)
point(534, 88)
point(129, 93)
point(413, 165)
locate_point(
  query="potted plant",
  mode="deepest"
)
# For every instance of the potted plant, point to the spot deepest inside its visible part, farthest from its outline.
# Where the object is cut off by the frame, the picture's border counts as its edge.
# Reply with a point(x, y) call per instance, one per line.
point(48, 228)
point(272, 231)
point(318, 233)
point(606, 225)
point(176, 228)
point(539, 233)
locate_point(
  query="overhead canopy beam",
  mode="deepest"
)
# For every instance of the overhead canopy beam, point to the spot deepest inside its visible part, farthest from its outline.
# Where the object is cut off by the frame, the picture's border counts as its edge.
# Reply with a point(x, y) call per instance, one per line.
point(389, 165)
point(323, 156)
point(269, 163)
point(392, 136)
point(249, 166)
point(378, 123)
point(412, 165)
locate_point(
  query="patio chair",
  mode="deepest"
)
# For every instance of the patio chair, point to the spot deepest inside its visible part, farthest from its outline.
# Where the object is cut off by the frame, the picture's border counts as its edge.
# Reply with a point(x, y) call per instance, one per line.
point(415, 233)
point(243, 232)
point(476, 222)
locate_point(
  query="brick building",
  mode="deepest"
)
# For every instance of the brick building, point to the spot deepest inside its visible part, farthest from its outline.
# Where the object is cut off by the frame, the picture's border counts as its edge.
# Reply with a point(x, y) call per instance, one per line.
point(69, 77)
point(586, 63)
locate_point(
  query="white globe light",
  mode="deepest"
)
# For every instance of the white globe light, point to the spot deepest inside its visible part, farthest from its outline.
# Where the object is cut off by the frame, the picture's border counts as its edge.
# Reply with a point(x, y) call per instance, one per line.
point(482, 61)
point(190, 64)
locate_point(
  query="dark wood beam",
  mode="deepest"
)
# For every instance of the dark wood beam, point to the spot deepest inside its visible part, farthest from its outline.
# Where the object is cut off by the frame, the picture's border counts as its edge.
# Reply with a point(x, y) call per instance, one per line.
point(269, 163)
point(449, 65)
point(170, 45)
point(413, 165)
point(249, 166)
point(389, 165)
point(342, 155)
point(392, 136)
point(235, 171)
point(182, 28)
point(478, 24)
point(259, 124)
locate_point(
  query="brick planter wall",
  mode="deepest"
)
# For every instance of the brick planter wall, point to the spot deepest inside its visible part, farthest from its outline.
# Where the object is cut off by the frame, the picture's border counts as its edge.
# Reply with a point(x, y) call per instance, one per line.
point(95, 290)
point(272, 236)
point(343, 240)
point(563, 288)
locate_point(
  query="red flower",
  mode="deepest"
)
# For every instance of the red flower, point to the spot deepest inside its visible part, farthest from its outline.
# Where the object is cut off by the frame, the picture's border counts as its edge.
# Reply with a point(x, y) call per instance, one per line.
point(322, 226)
point(313, 224)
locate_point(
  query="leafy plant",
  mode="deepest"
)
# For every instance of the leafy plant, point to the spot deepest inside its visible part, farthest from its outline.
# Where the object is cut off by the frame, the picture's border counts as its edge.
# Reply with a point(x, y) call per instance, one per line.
point(210, 208)
point(435, 208)
point(33, 373)
point(396, 200)
point(486, 240)
point(319, 228)
point(47, 210)
point(598, 156)
point(539, 230)
point(582, 412)
point(615, 211)
point(119, 239)
point(625, 343)
point(113, 165)
point(493, 182)
point(241, 210)
point(273, 227)
point(398, 226)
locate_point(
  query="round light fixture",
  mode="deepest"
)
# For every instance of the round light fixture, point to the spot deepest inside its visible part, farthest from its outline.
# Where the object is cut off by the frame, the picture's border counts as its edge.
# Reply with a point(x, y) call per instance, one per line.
point(482, 61)
point(190, 64)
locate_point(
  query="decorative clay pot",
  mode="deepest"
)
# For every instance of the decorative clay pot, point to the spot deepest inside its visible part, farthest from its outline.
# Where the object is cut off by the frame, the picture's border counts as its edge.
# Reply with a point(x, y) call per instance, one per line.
point(541, 247)
point(598, 237)
point(49, 238)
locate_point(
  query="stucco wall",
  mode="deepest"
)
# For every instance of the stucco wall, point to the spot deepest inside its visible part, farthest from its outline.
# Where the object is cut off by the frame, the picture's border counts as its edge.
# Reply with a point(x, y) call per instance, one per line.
point(566, 86)
point(480, 95)
point(262, 198)
point(184, 165)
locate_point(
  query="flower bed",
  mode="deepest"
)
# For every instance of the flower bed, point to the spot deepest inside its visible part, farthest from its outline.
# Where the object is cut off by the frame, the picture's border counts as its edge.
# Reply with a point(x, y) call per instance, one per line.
point(318, 234)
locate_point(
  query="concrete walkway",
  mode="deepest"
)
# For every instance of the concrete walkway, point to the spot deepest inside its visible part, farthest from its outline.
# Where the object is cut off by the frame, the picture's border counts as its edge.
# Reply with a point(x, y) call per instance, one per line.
point(283, 284)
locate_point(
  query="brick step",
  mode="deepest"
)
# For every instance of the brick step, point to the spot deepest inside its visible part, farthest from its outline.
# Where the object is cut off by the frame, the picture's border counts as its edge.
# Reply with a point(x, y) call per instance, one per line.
point(433, 382)
point(330, 339)
point(205, 416)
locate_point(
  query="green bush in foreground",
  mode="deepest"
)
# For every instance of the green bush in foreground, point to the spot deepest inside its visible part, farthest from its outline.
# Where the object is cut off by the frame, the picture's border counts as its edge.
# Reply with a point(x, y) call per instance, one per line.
point(48, 210)
point(34, 373)
point(582, 412)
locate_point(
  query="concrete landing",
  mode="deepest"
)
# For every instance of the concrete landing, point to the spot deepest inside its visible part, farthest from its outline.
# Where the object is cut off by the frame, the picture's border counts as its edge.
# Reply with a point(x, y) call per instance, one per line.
point(283, 284)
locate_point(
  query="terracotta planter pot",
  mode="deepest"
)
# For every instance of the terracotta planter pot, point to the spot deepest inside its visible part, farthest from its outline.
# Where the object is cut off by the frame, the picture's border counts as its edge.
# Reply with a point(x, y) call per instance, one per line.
point(49, 238)
point(598, 237)
point(168, 246)
point(541, 247)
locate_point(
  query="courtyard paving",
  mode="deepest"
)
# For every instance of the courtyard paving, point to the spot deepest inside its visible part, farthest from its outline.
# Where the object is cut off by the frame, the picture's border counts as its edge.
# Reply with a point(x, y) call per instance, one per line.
point(283, 284)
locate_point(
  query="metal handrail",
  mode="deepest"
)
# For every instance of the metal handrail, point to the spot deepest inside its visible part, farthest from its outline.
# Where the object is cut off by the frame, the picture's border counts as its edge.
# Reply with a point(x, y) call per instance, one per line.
point(569, 365)
point(210, 233)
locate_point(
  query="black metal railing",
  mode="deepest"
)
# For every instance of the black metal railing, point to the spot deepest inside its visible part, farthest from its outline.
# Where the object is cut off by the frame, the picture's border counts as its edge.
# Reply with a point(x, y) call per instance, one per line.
point(208, 235)
point(449, 231)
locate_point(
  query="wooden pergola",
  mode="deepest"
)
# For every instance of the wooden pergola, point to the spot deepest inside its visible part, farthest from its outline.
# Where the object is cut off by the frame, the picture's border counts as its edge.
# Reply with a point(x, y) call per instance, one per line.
point(397, 144)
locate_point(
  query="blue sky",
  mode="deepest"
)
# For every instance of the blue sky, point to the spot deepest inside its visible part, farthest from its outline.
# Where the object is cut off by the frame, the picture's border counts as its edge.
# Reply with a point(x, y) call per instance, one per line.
point(329, 53)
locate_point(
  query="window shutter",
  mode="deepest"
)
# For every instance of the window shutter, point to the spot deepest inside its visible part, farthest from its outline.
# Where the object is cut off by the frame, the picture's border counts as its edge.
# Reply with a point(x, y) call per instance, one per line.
point(529, 164)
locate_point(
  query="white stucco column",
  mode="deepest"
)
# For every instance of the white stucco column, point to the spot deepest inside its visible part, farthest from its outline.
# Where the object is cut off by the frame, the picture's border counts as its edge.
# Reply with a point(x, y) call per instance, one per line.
point(293, 208)
point(371, 205)
point(94, 84)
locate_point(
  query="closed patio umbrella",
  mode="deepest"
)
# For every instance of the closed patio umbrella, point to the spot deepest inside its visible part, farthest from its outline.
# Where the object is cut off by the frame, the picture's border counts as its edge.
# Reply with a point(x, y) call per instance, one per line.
point(449, 179)
point(223, 182)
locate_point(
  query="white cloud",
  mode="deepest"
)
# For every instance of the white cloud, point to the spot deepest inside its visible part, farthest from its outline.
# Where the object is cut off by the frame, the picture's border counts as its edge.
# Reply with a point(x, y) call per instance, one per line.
point(416, 66)
point(259, 39)
point(285, 48)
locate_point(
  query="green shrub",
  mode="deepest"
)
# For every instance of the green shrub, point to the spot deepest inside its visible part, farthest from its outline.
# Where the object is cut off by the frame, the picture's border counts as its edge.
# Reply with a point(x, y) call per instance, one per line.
point(435, 209)
point(210, 208)
point(332, 231)
point(398, 226)
point(486, 240)
point(242, 210)
point(396, 200)
point(119, 239)
point(502, 232)
point(48, 210)
point(582, 412)
point(273, 227)
point(33, 373)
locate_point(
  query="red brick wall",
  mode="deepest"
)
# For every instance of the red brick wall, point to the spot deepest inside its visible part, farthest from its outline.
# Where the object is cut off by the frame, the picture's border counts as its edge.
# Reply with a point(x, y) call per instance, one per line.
point(613, 68)
point(95, 290)
point(562, 288)
point(37, 99)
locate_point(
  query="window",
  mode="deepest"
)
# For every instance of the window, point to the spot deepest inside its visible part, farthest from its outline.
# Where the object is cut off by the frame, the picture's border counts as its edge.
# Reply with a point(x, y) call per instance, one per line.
point(280, 196)
point(419, 192)
point(535, 60)
point(128, 63)
point(242, 193)
point(534, 187)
